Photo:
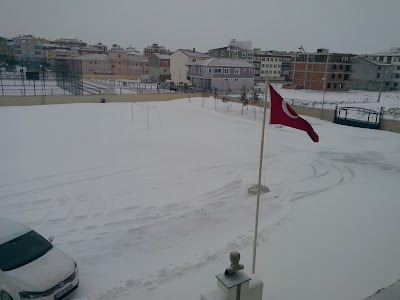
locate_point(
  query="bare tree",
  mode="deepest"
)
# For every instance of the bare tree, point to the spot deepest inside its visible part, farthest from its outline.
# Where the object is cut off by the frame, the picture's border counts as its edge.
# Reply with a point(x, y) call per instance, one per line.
point(243, 98)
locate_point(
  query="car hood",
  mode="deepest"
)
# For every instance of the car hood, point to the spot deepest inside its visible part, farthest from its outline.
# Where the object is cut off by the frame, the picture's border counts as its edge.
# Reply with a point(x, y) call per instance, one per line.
point(43, 273)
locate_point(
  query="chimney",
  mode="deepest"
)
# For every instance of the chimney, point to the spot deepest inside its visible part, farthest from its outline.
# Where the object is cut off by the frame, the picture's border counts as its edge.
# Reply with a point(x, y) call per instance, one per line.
point(194, 49)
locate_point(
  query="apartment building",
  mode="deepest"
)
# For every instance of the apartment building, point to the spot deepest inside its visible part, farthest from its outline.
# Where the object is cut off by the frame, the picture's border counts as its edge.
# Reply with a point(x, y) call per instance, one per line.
point(179, 63)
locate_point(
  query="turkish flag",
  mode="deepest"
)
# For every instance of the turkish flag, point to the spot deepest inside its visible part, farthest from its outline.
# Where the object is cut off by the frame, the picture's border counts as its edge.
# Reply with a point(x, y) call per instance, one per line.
point(282, 113)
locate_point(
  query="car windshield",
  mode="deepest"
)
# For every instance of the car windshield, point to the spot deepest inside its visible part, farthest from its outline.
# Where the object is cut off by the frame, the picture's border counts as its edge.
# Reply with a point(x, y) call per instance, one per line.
point(23, 250)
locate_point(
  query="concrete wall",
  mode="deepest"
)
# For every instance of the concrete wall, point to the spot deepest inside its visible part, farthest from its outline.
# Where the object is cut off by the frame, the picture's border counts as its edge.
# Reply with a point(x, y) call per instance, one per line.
point(38, 100)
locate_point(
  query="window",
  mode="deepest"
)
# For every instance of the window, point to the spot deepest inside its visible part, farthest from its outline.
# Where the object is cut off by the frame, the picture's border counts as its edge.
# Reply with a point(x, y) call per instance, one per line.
point(249, 54)
point(244, 69)
point(333, 76)
point(201, 70)
point(347, 69)
point(235, 53)
point(387, 83)
point(263, 59)
point(341, 85)
point(237, 71)
point(243, 54)
point(217, 71)
point(334, 67)
point(335, 85)
point(227, 71)
point(395, 84)
point(222, 53)
point(209, 70)
point(226, 79)
point(346, 76)
point(389, 59)
point(398, 68)
point(340, 67)
point(380, 58)
point(236, 79)
point(397, 76)
point(193, 69)
point(250, 70)
point(119, 55)
point(262, 71)
point(328, 86)
point(339, 76)
point(193, 60)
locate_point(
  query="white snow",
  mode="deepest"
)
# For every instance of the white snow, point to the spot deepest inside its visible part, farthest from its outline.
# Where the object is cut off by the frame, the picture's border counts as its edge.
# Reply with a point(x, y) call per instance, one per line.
point(18, 87)
point(147, 211)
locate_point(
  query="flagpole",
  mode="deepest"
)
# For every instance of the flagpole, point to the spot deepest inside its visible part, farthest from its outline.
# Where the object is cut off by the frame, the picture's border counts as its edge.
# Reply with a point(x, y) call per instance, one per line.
point(259, 177)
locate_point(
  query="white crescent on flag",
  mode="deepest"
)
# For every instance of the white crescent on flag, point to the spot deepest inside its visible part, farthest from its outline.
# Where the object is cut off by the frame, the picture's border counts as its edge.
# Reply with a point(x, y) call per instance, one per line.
point(285, 109)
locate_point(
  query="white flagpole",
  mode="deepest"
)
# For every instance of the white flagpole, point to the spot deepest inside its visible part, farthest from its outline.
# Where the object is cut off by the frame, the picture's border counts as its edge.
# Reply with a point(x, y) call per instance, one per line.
point(259, 176)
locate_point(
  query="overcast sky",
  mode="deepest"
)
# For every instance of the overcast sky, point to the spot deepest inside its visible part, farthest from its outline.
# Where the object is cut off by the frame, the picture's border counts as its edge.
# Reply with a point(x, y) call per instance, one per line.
point(357, 26)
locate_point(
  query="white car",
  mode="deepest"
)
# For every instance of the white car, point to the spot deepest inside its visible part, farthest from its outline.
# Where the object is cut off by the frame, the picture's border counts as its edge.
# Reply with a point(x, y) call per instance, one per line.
point(31, 268)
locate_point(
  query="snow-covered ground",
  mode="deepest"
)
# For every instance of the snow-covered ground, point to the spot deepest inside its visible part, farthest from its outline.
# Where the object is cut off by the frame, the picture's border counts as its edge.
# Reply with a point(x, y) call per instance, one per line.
point(153, 214)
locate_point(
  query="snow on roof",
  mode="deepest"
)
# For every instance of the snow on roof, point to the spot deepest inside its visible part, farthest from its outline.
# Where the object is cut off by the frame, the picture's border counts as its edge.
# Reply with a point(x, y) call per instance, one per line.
point(223, 62)
point(10, 229)
point(136, 58)
point(162, 56)
point(193, 53)
point(373, 61)
point(93, 57)
point(391, 52)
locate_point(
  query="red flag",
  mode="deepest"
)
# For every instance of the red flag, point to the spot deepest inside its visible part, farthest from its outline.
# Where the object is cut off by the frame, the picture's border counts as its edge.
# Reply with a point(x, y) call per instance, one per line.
point(282, 113)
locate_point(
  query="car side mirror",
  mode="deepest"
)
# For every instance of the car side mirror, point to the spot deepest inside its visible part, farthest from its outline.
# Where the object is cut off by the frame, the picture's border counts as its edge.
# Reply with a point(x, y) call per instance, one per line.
point(51, 239)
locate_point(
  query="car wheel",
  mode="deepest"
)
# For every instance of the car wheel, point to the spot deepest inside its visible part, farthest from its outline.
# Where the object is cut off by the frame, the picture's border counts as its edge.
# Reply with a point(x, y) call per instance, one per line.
point(5, 296)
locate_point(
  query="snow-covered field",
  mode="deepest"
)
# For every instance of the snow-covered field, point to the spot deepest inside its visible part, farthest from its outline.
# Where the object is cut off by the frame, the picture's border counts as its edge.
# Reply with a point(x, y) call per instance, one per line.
point(18, 87)
point(354, 98)
point(153, 214)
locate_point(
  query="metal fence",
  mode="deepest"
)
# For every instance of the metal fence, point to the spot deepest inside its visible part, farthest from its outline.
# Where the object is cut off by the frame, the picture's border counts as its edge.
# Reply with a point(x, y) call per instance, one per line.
point(69, 75)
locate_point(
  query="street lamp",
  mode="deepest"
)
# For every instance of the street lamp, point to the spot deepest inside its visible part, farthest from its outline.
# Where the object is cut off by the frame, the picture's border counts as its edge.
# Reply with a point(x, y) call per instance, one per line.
point(323, 97)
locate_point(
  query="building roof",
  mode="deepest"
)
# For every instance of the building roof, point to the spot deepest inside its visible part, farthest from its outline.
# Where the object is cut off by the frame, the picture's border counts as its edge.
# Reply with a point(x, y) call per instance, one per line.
point(392, 52)
point(222, 62)
point(193, 53)
point(229, 48)
point(373, 61)
point(137, 58)
point(90, 48)
point(162, 56)
point(104, 57)
point(10, 230)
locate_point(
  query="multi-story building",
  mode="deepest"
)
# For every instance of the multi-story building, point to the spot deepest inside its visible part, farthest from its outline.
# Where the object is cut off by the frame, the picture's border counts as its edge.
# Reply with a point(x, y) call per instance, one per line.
point(392, 59)
point(27, 47)
point(221, 73)
point(6, 51)
point(138, 65)
point(235, 49)
point(159, 67)
point(270, 63)
point(316, 71)
point(371, 75)
point(133, 51)
point(155, 48)
point(102, 47)
point(179, 61)
point(119, 60)
point(96, 64)
point(69, 43)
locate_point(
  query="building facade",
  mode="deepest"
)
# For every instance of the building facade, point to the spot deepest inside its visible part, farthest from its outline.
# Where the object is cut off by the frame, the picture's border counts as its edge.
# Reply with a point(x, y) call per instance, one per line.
point(27, 47)
point(391, 58)
point(138, 65)
point(322, 70)
point(159, 67)
point(371, 75)
point(6, 51)
point(221, 73)
point(232, 52)
point(179, 62)
point(273, 65)
point(119, 60)
point(96, 64)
